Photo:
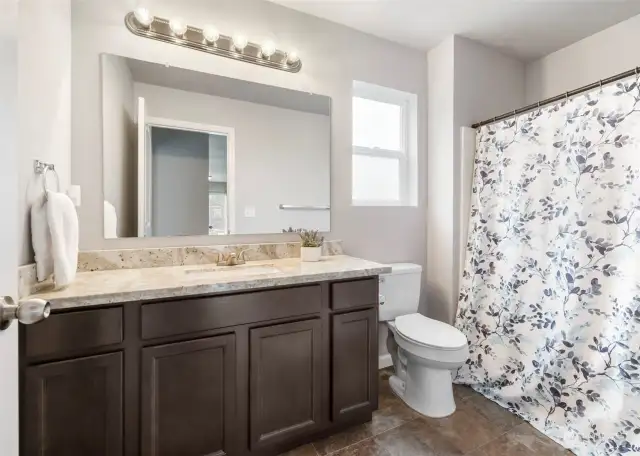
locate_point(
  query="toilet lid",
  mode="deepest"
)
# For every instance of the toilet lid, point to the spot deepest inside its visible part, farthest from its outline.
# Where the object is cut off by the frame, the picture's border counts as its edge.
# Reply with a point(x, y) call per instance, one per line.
point(429, 332)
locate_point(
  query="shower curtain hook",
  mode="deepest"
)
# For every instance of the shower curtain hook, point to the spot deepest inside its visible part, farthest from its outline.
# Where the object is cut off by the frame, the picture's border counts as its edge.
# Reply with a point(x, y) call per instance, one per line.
point(566, 97)
point(600, 85)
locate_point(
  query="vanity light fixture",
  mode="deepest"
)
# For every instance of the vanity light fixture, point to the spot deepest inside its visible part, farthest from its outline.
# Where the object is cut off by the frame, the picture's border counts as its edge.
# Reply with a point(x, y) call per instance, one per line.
point(178, 26)
point(240, 42)
point(268, 48)
point(143, 16)
point(292, 58)
point(208, 39)
point(210, 34)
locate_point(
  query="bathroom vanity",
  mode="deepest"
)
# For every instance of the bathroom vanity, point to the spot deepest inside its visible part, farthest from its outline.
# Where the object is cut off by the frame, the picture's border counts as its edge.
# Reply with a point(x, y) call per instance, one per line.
point(181, 357)
point(220, 363)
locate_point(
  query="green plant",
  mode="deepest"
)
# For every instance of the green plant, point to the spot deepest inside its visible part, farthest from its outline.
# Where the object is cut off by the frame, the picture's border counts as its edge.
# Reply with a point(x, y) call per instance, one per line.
point(309, 238)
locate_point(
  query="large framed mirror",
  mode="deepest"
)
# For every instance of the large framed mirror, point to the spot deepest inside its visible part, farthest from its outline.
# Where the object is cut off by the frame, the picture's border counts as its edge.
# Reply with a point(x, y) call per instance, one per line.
point(191, 153)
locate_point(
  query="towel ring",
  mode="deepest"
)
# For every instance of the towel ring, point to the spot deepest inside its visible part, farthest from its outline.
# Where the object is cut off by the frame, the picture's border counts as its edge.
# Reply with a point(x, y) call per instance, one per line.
point(44, 180)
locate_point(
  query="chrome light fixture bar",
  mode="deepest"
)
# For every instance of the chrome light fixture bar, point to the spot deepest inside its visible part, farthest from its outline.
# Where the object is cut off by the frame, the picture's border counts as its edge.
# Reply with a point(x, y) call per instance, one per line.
point(177, 32)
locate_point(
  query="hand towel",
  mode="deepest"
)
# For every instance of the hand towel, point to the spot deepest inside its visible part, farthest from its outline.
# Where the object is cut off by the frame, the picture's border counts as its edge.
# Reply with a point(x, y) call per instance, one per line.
point(63, 226)
point(110, 221)
point(41, 240)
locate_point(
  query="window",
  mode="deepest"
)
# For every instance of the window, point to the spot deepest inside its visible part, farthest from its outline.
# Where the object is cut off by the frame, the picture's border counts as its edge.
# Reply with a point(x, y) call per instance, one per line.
point(384, 146)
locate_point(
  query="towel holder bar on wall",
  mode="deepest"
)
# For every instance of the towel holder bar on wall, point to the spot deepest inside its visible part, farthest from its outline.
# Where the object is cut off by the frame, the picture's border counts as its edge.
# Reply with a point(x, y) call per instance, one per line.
point(289, 207)
point(40, 167)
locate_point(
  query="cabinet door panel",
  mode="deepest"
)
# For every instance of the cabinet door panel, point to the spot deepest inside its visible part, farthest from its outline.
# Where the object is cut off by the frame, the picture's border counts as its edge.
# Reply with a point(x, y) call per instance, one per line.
point(74, 407)
point(188, 397)
point(285, 381)
point(354, 363)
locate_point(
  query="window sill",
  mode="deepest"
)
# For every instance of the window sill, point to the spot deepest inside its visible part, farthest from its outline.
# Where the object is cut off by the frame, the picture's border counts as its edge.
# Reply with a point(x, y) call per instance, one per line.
point(382, 204)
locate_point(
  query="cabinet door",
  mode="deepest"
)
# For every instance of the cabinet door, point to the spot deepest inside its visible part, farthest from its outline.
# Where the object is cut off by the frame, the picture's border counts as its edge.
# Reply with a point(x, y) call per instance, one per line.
point(354, 363)
point(188, 397)
point(74, 407)
point(285, 381)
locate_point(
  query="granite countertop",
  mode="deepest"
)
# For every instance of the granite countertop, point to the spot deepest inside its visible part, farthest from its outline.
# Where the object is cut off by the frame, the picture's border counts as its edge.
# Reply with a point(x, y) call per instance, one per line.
point(126, 285)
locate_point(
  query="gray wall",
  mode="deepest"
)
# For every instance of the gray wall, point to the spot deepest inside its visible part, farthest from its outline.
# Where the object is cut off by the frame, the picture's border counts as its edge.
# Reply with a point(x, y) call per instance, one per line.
point(119, 142)
point(469, 82)
point(44, 104)
point(332, 55)
point(218, 158)
point(604, 54)
point(281, 155)
point(180, 192)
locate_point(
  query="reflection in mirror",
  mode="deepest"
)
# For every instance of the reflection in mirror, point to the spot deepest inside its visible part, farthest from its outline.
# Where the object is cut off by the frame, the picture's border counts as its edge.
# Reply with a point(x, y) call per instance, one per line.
point(190, 153)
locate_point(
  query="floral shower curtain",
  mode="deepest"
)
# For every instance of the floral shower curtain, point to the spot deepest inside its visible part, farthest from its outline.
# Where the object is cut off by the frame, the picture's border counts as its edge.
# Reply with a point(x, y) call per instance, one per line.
point(550, 297)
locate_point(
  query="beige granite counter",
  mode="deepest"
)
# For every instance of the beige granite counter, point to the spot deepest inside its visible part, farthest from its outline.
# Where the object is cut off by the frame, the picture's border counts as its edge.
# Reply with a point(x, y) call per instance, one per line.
point(126, 285)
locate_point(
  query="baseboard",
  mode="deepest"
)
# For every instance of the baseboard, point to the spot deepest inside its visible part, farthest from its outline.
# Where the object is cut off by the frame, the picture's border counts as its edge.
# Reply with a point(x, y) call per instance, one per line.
point(384, 361)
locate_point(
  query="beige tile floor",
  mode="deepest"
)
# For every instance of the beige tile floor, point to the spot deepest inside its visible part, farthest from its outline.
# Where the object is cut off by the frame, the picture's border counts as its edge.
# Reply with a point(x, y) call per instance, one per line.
point(479, 427)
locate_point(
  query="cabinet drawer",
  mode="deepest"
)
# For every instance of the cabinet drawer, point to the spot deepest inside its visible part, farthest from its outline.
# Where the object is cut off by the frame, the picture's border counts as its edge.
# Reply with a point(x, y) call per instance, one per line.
point(355, 293)
point(202, 314)
point(74, 331)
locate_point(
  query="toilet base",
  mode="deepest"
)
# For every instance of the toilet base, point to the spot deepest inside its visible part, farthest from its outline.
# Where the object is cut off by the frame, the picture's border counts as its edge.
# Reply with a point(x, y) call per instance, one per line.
point(397, 386)
point(426, 390)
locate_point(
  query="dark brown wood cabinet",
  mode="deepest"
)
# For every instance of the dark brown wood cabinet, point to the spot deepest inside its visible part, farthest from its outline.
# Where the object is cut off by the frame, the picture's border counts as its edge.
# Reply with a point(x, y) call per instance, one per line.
point(252, 373)
point(285, 381)
point(74, 407)
point(354, 362)
point(188, 397)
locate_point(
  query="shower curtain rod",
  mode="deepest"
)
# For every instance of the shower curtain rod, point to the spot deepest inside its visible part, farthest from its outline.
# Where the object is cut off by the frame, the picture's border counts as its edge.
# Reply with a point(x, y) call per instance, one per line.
point(555, 99)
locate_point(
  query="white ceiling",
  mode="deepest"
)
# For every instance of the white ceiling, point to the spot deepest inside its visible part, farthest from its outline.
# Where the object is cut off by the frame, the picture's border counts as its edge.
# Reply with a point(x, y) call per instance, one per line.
point(527, 29)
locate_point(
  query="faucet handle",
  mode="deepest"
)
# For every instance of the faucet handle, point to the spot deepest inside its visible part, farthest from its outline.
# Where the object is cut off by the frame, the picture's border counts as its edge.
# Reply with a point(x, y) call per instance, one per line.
point(222, 259)
point(242, 255)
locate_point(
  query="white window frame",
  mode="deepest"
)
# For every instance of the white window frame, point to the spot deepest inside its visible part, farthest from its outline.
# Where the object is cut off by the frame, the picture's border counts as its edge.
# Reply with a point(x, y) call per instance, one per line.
point(406, 156)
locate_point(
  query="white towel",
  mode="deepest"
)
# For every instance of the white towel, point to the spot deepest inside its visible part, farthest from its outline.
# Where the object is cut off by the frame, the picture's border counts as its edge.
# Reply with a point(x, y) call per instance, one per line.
point(41, 240)
point(63, 226)
point(110, 221)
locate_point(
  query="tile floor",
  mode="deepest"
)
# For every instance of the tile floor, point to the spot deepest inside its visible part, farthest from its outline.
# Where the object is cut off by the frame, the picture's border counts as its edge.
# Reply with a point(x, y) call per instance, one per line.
point(479, 427)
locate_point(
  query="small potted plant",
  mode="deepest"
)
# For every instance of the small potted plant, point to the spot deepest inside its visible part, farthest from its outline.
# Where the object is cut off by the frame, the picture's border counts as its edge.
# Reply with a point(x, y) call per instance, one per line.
point(311, 248)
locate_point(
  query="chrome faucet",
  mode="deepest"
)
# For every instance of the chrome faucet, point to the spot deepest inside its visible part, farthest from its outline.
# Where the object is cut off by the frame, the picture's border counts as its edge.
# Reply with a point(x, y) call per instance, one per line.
point(232, 259)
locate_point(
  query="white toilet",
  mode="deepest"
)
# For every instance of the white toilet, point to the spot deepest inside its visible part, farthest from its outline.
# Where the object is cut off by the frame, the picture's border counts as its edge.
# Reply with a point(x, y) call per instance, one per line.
point(424, 351)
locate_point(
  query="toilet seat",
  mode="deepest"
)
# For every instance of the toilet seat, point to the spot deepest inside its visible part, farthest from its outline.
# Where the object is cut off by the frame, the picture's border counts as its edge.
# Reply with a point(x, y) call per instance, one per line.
point(430, 333)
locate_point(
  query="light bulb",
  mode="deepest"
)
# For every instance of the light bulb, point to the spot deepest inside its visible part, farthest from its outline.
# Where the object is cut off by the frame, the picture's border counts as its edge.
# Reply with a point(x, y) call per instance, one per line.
point(178, 26)
point(143, 16)
point(268, 48)
point(292, 57)
point(240, 42)
point(210, 34)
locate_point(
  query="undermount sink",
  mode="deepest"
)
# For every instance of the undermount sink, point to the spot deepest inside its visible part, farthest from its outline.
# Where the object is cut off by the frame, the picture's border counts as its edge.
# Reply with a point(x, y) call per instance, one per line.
point(243, 269)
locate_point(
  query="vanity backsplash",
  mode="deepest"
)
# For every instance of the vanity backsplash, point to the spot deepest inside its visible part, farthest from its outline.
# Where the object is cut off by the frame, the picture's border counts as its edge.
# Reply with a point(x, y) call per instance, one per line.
point(105, 260)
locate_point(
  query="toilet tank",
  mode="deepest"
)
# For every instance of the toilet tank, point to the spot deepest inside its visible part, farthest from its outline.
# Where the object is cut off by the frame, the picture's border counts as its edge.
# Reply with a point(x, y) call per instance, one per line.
point(400, 290)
